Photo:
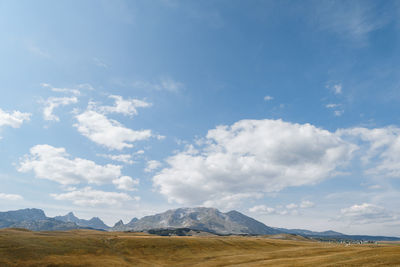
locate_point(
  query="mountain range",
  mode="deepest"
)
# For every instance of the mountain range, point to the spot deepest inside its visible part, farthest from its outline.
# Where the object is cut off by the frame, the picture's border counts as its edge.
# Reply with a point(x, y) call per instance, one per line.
point(33, 219)
point(95, 222)
point(202, 219)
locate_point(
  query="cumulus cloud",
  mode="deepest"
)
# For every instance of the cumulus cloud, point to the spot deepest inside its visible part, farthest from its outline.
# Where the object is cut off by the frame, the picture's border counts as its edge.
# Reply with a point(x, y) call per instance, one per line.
point(291, 206)
point(332, 105)
point(263, 209)
point(91, 197)
point(252, 156)
point(107, 132)
point(12, 197)
point(229, 200)
point(55, 164)
point(124, 106)
point(367, 213)
point(53, 102)
point(125, 158)
point(13, 119)
point(380, 149)
point(152, 165)
point(305, 204)
point(126, 183)
point(268, 98)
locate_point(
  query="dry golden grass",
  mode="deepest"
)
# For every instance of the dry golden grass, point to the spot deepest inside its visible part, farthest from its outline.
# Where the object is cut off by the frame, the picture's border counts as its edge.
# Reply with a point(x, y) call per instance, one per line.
point(94, 248)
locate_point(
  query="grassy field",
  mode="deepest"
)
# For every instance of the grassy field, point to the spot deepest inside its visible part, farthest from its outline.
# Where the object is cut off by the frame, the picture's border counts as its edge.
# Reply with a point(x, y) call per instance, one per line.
point(95, 248)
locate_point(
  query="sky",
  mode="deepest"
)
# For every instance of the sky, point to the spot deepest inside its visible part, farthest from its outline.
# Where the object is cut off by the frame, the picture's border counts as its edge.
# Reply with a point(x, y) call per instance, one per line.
point(287, 111)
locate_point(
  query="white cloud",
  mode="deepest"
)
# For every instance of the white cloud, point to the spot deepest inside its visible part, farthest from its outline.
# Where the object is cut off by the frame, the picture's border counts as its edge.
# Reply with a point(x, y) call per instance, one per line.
point(73, 91)
point(48, 162)
point(14, 119)
point(380, 151)
point(126, 183)
point(252, 156)
point(338, 113)
point(229, 200)
point(289, 209)
point(375, 186)
point(367, 213)
point(125, 158)
point(332, 105)
point(53, 102)
point(268, 98)
point(124, 106)
point(291, 206)
point(164, 84)
point(109, 133)
point(335, 88)
point(152, 165)
point(91, 197)
point(263, 209)
point(305, 204)
point(12, 197)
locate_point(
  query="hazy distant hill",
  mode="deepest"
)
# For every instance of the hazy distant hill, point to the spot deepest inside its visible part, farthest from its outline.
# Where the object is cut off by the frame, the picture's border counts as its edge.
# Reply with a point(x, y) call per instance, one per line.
point(308, 232)
point(205, 219)
point(95, 222)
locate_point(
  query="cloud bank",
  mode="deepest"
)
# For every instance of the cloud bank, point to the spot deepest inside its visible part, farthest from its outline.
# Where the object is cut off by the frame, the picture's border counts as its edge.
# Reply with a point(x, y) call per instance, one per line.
point(252, 157)
point(91, 197)
point(55, 164)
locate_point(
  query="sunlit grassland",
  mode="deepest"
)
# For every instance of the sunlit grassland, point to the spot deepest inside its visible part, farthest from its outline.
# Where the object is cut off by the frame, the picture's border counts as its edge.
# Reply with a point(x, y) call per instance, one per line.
point(95, 248)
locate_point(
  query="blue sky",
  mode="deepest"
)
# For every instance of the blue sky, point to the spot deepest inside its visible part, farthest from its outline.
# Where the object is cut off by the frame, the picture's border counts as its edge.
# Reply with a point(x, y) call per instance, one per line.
point(284, 110)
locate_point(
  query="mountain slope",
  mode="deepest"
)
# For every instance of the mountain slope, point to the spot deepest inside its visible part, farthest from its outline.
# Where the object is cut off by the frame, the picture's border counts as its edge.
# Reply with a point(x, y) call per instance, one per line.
point(94, 223)
point(253, 225)
point(308, 232)
point(204, 219)
point(33, 219)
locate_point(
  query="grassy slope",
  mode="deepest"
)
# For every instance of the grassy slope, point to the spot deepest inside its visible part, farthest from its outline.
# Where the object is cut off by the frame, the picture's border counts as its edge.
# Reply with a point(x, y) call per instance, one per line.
point(92, 248)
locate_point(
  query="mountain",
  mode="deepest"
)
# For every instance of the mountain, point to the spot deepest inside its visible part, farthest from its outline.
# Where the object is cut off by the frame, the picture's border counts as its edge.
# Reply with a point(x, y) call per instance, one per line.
point(33, 219)
point(254, 226)
point(233, 222)
point(183, 221)
point(95, 222)
point(203, 219)
point(22, 215)
point(120, 226)
point(336, 236)
point(303, 232)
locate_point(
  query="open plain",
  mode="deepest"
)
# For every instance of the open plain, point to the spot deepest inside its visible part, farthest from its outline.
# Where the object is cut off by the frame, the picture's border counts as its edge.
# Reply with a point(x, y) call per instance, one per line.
point(95, 248)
